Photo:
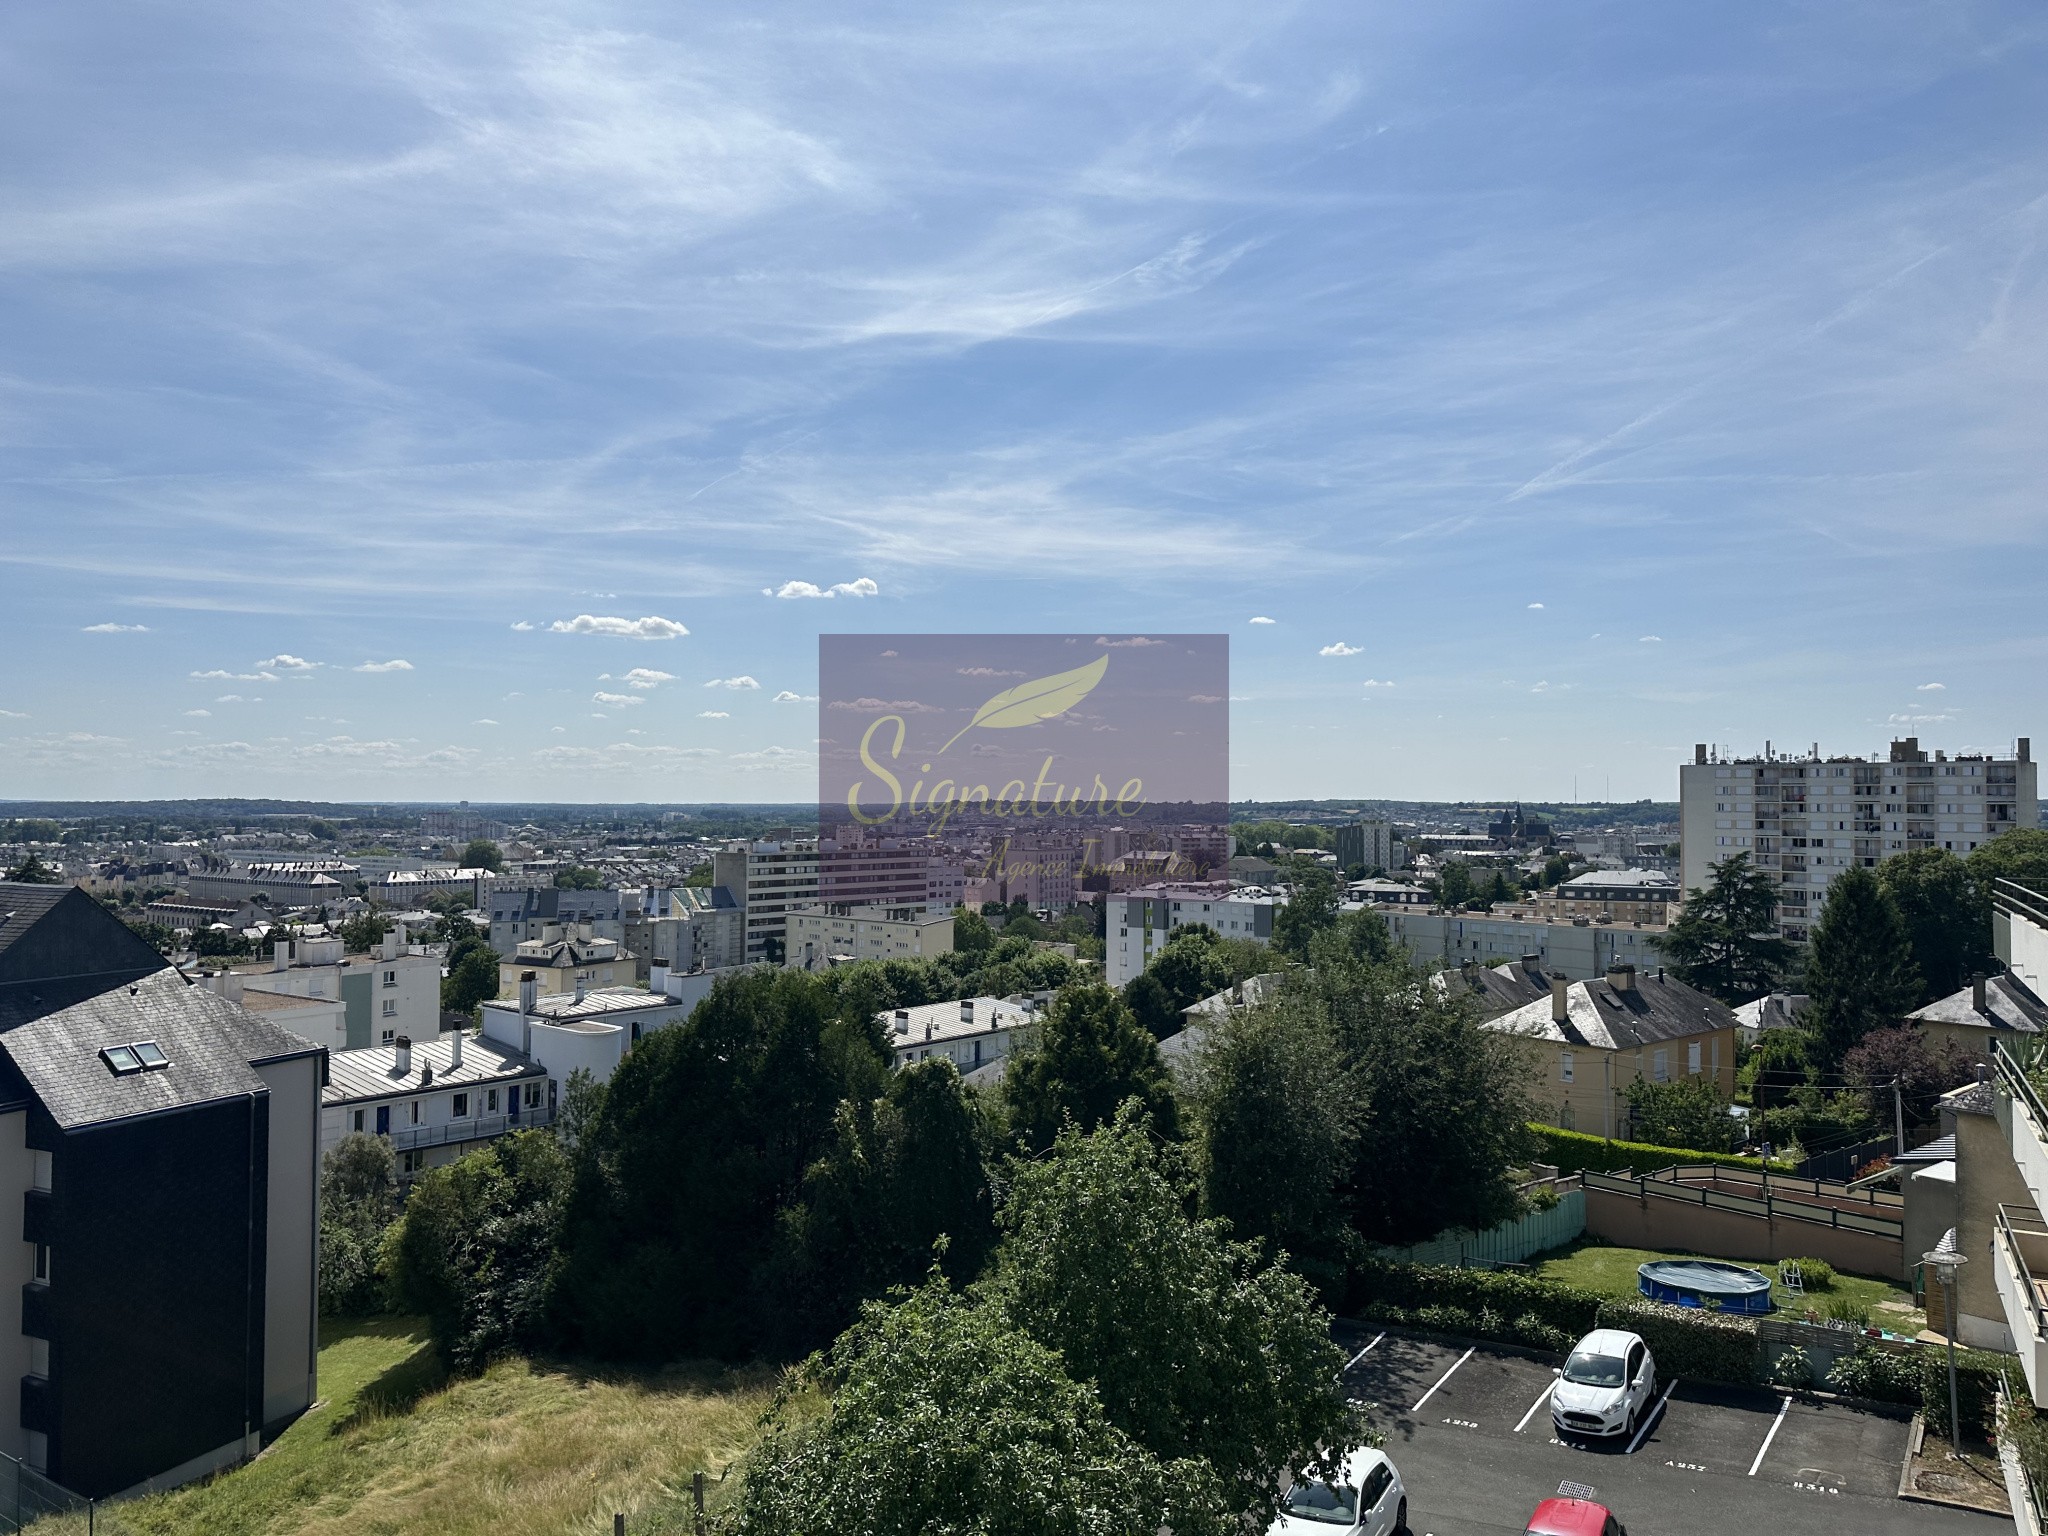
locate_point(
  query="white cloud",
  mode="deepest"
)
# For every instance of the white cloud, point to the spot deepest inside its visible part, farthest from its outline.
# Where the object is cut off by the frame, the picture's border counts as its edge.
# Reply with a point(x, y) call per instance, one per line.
point(987, 672)
point(860, 586)
point(15, 714)
point(115, 629)
point(1339, 648)
point(1917, 719)
point(393, 665)
point(1261, 619)
point(647, 677)
point(483, 722)
point(522, 625)
point(1379, 682)
point(787, 697)
point(1133, 642)
point(216, 675)
point(617, 699)
point(1931, 688)
point(653, 627)
point(235, 698)
point(1651, 640)
point(741, 681)
point(285, 663)
point(204, 714)
point(713, 714)
point(1535, 605)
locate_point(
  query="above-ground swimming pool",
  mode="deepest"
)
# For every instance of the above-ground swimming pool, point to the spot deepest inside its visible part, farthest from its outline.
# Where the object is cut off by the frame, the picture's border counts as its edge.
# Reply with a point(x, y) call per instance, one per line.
point(1695, 1282)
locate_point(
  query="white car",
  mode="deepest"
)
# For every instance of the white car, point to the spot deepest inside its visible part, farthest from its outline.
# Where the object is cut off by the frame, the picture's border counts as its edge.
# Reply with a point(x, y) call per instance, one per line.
point(1606, 1386)
point(1366, 1497)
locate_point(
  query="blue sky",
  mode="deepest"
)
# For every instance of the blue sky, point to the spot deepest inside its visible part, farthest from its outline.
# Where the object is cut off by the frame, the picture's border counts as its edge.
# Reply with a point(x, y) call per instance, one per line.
point(1566, 383)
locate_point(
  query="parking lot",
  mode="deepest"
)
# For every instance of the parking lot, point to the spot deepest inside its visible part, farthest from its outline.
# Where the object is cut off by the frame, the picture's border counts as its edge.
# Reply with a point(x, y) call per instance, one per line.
point(1470, 1430)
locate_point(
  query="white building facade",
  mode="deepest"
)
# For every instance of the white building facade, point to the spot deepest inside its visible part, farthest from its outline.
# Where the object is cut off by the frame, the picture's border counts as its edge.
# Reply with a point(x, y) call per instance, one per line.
point(1140, 923)
point(769, 880)
point(822, 936)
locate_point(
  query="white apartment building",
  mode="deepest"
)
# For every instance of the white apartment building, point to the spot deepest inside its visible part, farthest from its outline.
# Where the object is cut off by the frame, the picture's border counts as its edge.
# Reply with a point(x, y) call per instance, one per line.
point(303, 883)
point(434, 1100)
point(404, 889)
point(970, 1033)
point(1140, 923)
point(1578, 949)
point(1804, 820)
point(769, 880)
point(833, 933)
point(342, 1001)
point(688, 928)
point(592, 1028)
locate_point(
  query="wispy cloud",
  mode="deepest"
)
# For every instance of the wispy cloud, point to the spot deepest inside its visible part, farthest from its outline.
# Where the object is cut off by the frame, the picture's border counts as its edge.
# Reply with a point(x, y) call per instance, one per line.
point(740, 682)
point(713, 714)
point(1261, 619)
point(286, 663)
point(649, 628)
point(116, 629)
point(617, 700)
point(1931, 687)
point(218, 676)
point(647, 677)
point(394, 665)
point(788, 697)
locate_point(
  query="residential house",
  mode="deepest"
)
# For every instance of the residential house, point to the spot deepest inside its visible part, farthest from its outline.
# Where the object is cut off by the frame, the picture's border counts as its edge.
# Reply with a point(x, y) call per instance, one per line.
point(1613, 896)
point(162, 1147)
point(1589, 1040)
point(1578, 947)
point(823, 936)
point(433, 1100)
point(974, 1032)
point(524, 912)
point(2001, 1007)
point(395, 990)
point(592, 1027)
point(565, 960)
point(690, 928)
point(1140, 923)
point(1774, 1010)
point(1375, 892)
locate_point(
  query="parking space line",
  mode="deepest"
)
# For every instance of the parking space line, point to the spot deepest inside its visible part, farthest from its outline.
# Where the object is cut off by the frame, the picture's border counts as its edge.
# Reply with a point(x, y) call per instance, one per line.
point(1363, 1352)
point(1650, 1418)
point(1782, 1407)
point(1541, 1398)
point(1442, 1379)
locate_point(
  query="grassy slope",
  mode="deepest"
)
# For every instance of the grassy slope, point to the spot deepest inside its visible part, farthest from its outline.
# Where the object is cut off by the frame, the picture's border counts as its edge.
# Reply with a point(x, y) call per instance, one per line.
point(529, 1447)
point(1612, 1272)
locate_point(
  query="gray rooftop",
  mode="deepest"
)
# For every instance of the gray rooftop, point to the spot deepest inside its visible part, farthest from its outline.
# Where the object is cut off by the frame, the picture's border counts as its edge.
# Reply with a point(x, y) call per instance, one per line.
point(2008, 1005)
point(598, 1002)
point(1653, 1012)
point(356, 1076)
point(1598, 880)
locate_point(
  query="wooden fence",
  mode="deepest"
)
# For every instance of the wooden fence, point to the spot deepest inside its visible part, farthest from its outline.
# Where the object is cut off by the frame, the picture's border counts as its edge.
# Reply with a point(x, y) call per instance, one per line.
point(1508, 1243)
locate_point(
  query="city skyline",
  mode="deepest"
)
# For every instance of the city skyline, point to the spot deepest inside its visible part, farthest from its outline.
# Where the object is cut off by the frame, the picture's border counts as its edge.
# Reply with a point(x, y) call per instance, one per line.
point(497, 404)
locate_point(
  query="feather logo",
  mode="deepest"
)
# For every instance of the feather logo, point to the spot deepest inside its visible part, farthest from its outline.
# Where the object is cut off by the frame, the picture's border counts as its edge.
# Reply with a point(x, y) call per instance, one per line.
point(1039, 699)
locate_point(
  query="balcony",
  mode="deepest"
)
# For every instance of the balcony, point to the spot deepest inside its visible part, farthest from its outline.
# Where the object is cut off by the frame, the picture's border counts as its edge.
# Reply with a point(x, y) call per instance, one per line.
point(2024, 1120)
point(2022, 1274)
point(474, 1128)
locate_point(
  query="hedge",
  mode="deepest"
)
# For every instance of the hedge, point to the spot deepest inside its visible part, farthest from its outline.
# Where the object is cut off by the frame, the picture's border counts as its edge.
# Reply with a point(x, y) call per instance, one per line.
point(1977, 1378)
point(1411, 1288)
point(1694, 1344)
point(1577, 1152)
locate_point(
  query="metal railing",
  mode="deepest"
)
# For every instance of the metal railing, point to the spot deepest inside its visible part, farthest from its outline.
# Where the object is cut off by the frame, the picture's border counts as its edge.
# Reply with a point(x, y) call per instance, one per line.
point(476, 1128)
point(2012, 1077)
point(1769, 1206)
point(2021, 900)
point(2010, 1218)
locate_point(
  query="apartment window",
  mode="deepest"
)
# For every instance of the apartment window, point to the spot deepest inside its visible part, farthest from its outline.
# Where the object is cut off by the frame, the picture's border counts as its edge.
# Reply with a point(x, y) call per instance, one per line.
point(1660, 1066)
point(490, 1101)
point(388, 1036)
point(41, 1264)
point(390, 1007)
point(533, 1095)
point(355, 1120)
point(411, 1162)
point(391, 978)
point(1692, 1058)
point(459, 1105)
point(1565, 1065)
point(416, 1103)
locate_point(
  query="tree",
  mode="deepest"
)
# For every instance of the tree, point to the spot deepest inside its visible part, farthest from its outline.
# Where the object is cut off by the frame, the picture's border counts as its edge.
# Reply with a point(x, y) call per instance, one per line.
point(707, 1130)
point(1859, 967)
point(1090, 1056)
point(1189, 968)
point(1947, 914)
point(582, 1102)
point(578, 877)
point(1923, 1069)
point(1311, 907)
point(943, 1416)
point(1685, 1112)
point(1443, 1103)
point(1152, 1006)
point(1196, 1344)
point(2020, 855)
point(323, 830)
point(1275, 1131)
point(481, 853)
point(472, 979)
point(901, 1185)
point(33, 871)
point(971, 933)
point(473, 1251)
point(1454, 884)
point(358, 1198)
point(699, 876)
point(1725, 941)
point(363, 933)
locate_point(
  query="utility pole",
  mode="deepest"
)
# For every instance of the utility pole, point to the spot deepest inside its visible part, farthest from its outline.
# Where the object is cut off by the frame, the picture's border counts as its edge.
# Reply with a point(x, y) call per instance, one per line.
point(1899, 1115)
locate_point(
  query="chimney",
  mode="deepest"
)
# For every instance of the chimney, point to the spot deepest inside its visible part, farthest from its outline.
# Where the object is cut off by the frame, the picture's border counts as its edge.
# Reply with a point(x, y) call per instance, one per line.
point(1977, 993)
point(233, 982)
point(579, 989)
point(426, 1074)
point(455, 1049)
point(2026, 749)
point(404, 1062)
point(1532, 963)
point(902, 1021)
point(1699, 752)
point(281, 955)
point(529, 991)
point(967, 1012)
point(1560, 1009)
point(390, 950)
point(1621, 976)
point(657, 976)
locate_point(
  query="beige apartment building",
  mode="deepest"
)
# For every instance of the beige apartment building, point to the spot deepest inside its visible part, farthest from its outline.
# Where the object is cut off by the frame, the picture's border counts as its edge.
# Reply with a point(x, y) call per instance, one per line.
point(835, 933)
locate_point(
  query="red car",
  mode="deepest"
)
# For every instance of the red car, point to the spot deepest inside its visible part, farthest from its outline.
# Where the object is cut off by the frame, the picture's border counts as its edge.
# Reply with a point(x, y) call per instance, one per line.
point(1574, 1517)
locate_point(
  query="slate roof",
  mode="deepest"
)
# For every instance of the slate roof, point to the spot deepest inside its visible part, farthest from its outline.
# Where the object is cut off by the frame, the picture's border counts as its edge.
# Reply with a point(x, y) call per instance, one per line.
point(1774, 1010)
point(357, 1077)
point(2008, 1005)
point(1598, 1016)
point(52, 937)
point(22, 906)
point(1497, 989)
point(213, 1046)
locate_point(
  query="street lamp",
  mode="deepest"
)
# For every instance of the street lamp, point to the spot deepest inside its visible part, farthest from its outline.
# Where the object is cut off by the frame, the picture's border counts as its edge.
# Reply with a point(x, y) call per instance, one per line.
point(1948, 1260)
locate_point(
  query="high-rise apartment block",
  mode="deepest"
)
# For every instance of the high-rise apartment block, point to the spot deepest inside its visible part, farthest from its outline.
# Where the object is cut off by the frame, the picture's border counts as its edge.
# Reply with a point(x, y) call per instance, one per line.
point(1803, 820)
point(770, 879)
point(1369, 845)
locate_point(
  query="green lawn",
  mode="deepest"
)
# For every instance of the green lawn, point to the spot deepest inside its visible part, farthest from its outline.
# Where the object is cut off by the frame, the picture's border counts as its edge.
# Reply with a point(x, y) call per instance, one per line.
point(1595, 1266)
point(529, 1448)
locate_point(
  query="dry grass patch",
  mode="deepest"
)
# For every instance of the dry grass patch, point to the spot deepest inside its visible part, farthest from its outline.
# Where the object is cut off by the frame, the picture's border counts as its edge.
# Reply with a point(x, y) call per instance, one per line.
point(530, 1448)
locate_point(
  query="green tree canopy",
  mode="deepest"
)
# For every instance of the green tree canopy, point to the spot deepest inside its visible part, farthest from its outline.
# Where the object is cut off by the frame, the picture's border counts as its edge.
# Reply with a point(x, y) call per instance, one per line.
point(972, 934)
point(1859, 967)
point(1310, 908)
point(1196, 1344)
point(1922, 1068)
point(942, 1416)
point(358, 1198)
point(706, 1132)
point(481, 853)
point(473, 1251)
point(577, 877)
point(2021, 855)
point(472, 978)
point(33, 871)
point(1685, 1112)
point(1089, 1057)
point(1726, 940)
point(1947, 914)
point(363, 933)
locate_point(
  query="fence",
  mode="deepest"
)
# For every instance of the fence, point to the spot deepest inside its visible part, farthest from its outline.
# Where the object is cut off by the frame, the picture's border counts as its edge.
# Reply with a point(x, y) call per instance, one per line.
point(1735, 1214)
point(1508, 1243)
point(1842, 1163)
point(30, 1502)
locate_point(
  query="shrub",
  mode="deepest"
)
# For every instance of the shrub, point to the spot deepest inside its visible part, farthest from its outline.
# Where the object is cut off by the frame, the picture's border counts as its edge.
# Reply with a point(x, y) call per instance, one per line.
point(1882, 1375)
point(1793, 1368)
point(1977, 1378)
point(1815, 1274)
point(1700, 1346)
point(1578, 1152)
point(1563, 1308)
point(1845, 1309)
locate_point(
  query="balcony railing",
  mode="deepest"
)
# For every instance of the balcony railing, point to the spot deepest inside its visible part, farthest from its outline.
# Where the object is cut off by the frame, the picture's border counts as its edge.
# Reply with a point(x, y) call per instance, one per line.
point(474, 1128)
point(2024, 1120)
point(2022, 1244)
